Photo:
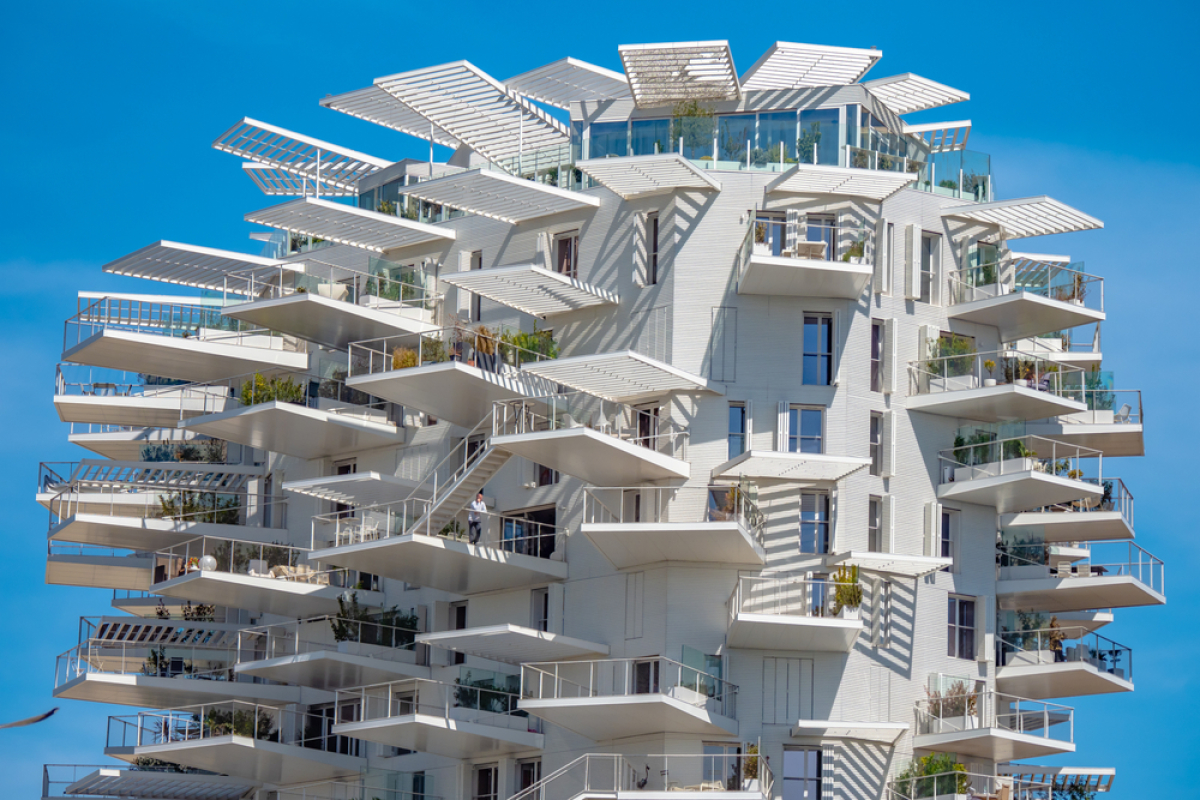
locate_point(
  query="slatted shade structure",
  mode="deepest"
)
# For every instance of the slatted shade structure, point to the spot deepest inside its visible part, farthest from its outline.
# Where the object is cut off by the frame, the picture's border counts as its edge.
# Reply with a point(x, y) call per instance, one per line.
point(198, 267)
point(532, 289)
point(92, 474)
point(908, 566)
point(156, 633)
point(500, 196)
point(476, 109)
point(1089, 779)
point(665, 74)
point(907, 93)
point(1029, 216)
point(155, 784)
point(819, 179)
point(568, 79)
point(355, 489)
point(638, 176)
point(623, 376)
point(374, 104)
point(787, 65)
point(298, 154)
point(277, 183)
point(942, 137)
point(336, 222)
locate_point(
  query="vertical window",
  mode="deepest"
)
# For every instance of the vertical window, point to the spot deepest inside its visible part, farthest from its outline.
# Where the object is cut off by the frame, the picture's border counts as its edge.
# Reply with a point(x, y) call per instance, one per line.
point(540, 616)
point(647, 427)
point(476, 312)
point(529, 772)
point(875, 542)
point(877, 335)
point(929, 254)
point(484, 783)
point(458, 622)
point(805, 430)
point(887, 263)
point(818, 349)
point(876, 435)
point(769, 233)
point(946, 537)
point(960, 627)
point(645, 676)
point(802, 773)
point(566, 254)
point(822, 228)
point(814, 522)
point(652, 248)
point(545, 476)
point(723, 766)
point(737, 429)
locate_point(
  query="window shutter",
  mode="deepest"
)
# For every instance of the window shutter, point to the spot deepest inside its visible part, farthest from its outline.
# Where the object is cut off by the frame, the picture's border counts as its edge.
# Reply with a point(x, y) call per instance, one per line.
point(984, 640)
point(940, 270)
point(837, 347)
point(544, 255)
point(887, 443)
point(887, 525)
point(841, 235)
point(463, 302)
point(781, 429)
point(791, 231)
point(933, 519)
point(749, 425)
point(833, 519)
point(883, 258)
point(930, 335)
point(912, 262)
point(641, 250)
point(889, 356)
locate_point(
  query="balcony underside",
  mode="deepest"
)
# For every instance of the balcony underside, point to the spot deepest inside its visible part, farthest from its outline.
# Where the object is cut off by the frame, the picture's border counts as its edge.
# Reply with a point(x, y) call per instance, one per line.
point(1049, 680)
point(605, 718)
point(1021, 315)
point(632, 544)
point(189, 359)
point(288, 598)
point(150, 411)
point(806, 469)
point(891, 563)
point(1088, 621)
point(131, 784)
point(333, 323)
point(783, 276)
point(1070, 526)
point(513, 643)
point(358, 488)
point(331, 670)
point(793, 632)
point(100, 572)
point(153, 692)
point(886, 733)
point(149, 535)
point(129, 445)
point(993, 403)
point(594, 457)
point(1116, 439)
point(991, 744)
point(1017, 491)
point(450, 738)
point(299, 431)
point(445, 564)
point(252, 759)
point(1049, 595)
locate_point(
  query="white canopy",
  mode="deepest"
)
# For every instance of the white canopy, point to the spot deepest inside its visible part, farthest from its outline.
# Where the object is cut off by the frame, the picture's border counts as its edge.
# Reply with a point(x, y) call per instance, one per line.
point(375, 105)
point(804, 468)
point(787, 65)
point(624, 376)
point(664, 74)
point(189, 265)
point(1090, 779)
point(892, 563)
point(130, 783)
point(1028, 216)
point(638, 176)
point(873, 184)
point(501, 196)
point(880, 732)
point(91, 473)
point(346, 224)
point(277, 183)
point(942, 137)
point(568, 79)
point(531, 289)
point(355, 489)
point(907, 93)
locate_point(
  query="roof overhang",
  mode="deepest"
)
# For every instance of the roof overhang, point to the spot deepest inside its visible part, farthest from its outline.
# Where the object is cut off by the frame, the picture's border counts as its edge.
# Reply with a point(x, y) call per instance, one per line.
point(804, 468)
point(624, 376)
point(276, 183)
point(787, 65)
point(892, 563)
point(198, 267)
point(907, 93)
point(346, 224)
point(373, 104)
point(500, 196)
point(942, 137)
point(149, 783)
point(532, 289)
point(639, 176)
point(512, 643)
point(1027, 216)
point(872, 184)
point(356, 489)
point(880, 732)
point(668, 73)
point(569, 79)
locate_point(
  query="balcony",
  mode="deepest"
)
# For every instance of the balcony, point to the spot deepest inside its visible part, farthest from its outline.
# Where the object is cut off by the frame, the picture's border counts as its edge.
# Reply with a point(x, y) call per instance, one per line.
point(1016, 474)
point(385, 784)
point(98, 567)
point(454, 374)
point(804, 469)
point(273, 578)
point(1100, 575)
point(535, 290)
point(94, 395)
point(637, 525)
point(330, 652)
point(243, 740)
point(188, 342)
point(684, 776)
point(621, 697)
point(818, 261)
point(133, 443)
point(1079, 348)
point(451, 720)
point(1026, 296)
point(768, 613)
point(1091, 519)
point(992, 726)
point(1111, 424)
point(1061, 662)
point(966, 784)
point(514, 644)
point(598, 441)
point(368, 488)
point(133, 488)
point(994, 386)
point(129, 782)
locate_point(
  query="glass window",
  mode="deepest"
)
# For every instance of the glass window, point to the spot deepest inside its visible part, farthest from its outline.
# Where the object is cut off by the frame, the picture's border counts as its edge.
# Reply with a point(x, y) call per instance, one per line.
point(696, 131)
point(737, 429)
point(802, 773)
point(818, 350)
point(734, 134)
point(723, 765)
point(545, 475)
point(484, 783)
point(946, 538)
point(822, 228)
point(650, 136)
point(608, 139)
point(820, 136)
point(805, 429)
point(929, 255)
point(776, 130)
point(875, 526)
point(877, 335)
point(366, 199)
point(566, 254)
point(540, 601)
point(876, 443)
point(769, 233)
point(960, 622)
point(814, 522)
point(528, 773)
point(652, 248)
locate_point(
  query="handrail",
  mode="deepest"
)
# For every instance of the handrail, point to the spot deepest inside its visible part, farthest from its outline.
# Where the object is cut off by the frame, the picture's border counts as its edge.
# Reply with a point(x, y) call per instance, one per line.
point(609, 773)
point(954, 712)
point(947, 373)
point(239, 508)
point(782, 596)
point(719, 503)
point(1103, 560)
point(1067, 644)
point(153, 660)
point(478, 347)
point(992, 457)
point(1116, 497)
point(969, 784)
point(1011, 275)
point(325, 633)
point(338, 283)
point(254, 559)
point(484, 705)
point(467, 452)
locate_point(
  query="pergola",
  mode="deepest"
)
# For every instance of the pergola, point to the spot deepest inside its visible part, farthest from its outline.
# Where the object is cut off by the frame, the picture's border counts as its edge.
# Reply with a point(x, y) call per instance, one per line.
point(787, 65)
point(638, 176)
point(344, 224)
point(500, 196)
point(1028, 216)
point(664, 74)
point(907, 93)
point(569, 79)
point(873, 184)
point(198, 267)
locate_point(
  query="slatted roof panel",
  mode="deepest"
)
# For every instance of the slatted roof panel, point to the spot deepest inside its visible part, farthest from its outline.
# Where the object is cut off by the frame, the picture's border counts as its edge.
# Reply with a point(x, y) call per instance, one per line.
point(567, 80)
point(893, 563)
point(476, 109)
point(355, 489)
point(1090, 779)
point(189, 265)
point(153, 784)
point(787, 65)
point(373, 104)
point(344, 224)
point(942, 137)
point(500, 196)
point(531, 289)
point(638, 176)
point(91, 474)
point(1028, 216)
point(665, 74)
point(624, 376)
point(907, 93)
point(873, 184)
point(276, 183)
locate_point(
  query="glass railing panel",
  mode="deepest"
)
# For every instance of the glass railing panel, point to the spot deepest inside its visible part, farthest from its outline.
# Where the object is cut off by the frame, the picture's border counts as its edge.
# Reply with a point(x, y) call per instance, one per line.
point(1102, 560)
point(490, 351)
point(376, 288)
point(665, 504)
point(960, 783)
point(185, 662)
point(984, 456)
point(1065, 283)
point(475, 701)
point(973, 370)
point(791, 597)
point(254, 560)
point(1064, 645)
point(954, 711)
point(389, 635)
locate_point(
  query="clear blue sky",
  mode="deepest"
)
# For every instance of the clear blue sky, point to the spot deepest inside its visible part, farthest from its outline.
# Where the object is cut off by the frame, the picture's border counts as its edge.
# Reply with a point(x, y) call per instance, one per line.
point(110, 109)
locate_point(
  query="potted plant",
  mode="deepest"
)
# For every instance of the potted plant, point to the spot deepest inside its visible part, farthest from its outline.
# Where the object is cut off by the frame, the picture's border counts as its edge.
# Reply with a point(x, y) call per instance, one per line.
point(990, 366)
point(855, 252)
point(847, 593)
point(403, 358)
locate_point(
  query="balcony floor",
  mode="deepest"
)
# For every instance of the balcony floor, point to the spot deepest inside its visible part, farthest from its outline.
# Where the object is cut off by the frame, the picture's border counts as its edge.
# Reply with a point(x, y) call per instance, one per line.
point(994, 403)
point(333, 323)
point(299, 431)
point(633, 544)
point(145, 691)
point(991, 744)
point(1050, 595)
point(159, 410)
point(1020, 315)
point(128, 445)
point(1016, 491)
point(150, 535)
point(292, 599)
point(594, 457)
point(1049, 681)
point(783, 276)
point(512, 643)
point(252, 759)
point(793, 632)
point(151, 785)
point(1113, 440)
point(100, 572)
point(450, 738)
point(1068, 526)
point(331, 670)
point(605, 718)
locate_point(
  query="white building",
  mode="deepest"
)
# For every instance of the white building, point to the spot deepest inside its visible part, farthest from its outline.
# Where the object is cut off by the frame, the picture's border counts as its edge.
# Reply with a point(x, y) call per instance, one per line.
point(797, 467)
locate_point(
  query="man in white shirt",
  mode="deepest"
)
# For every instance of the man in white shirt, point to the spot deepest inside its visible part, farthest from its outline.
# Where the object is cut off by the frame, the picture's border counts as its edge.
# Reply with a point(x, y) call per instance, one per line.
point(474, 520)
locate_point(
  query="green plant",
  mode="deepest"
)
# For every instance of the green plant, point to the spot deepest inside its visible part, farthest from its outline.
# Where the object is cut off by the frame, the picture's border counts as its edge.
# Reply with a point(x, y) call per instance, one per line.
point(264, 390)
point(451, 530)
point(693, 122)
point(520, 347)
point(847, 591)
point(347, 624)
point(956, 701)
point(855, 250)
point(386, 207)
point(933, 775)
point(809, 142)
point(485, 340)
point(201, 612)
point(750, 762)
point(148, 763)
point(990, 366)
point(240, 723)
point(948, 184)
point(951, 356)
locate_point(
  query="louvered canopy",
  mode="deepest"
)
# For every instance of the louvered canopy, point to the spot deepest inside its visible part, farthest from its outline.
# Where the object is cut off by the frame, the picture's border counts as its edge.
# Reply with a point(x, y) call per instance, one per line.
point(373, 104)
point(567, 80)
point(534, 290)
point(942, 137)
point(638, 176)
point(276, 183)
point(198, 267)
point(907, 93)
point(665, 74)
point(787, 65)
point(820, 179)
point(501, 196)
point(1029, 216)
point(623, 377)
point(344, 224)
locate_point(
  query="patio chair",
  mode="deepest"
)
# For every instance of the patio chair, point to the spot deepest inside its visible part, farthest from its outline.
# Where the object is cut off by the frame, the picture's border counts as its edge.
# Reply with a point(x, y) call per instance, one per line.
point(1122, 415)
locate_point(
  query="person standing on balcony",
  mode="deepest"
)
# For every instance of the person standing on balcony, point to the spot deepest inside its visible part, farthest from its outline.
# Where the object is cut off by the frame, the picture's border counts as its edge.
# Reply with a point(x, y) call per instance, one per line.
point(474, 521)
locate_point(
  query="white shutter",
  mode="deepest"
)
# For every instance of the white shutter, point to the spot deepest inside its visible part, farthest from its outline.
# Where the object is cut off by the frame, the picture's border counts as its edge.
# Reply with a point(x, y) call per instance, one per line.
point(887, 522)
point(841, 235)
point(749, 425)
point(781, 428)
point(889, 356)
point(887, 443)
point(463, 302)
point(912, 262)
point(544, 254)
point(933, 521)
point(985, 612)
point(833, 519)
point(930, 335)
point(941, 267)
point(791, 235)
point(883, 259)
point(837, 347)
point(641, 251)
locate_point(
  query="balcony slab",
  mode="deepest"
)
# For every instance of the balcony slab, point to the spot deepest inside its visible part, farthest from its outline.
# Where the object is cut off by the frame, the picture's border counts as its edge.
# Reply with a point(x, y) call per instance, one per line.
point(994, 403)
point(288, 598)
point(1014, 491)
point(1047, 681)
point(617, 717)
point(512, 643)
point(632, 544)
point(450, 738)
point(333, 323)
point(1020, 315)
point(331, 670)
point(1050, 595)
point(783, 276)
point(99, 572)
point(252, 759)
point(299, 431)
point(793, 632)
point(594, 457)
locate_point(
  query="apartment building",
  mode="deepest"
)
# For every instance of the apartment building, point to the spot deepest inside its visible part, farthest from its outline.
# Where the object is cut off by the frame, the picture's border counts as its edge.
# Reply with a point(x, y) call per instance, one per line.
point(682, 432)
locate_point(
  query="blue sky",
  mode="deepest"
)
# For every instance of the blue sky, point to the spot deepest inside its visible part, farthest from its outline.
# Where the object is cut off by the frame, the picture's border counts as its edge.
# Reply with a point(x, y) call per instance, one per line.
point(111, 108)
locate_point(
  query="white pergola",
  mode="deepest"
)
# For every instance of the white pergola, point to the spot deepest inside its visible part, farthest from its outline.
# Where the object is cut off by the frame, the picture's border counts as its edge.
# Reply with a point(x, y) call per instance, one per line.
point(344, 224)
point(300, 155)
point(569, 79)
point(212, 478)
point(198, 267)
point(1028, 216)
point(373, 104)
point(277, 183)
point(638, 176)
point(892, 563)
point(806, 468)
point(865, 731)
point(1090, 779)
point(787, 65)
point(356, 489)
point(872, 184)
point(131, 783)
point(532, 289)
point(664, 74)
point(942, 137)
point(623, 376)
point(907, 93)
point(500, 196)
point(476, 109)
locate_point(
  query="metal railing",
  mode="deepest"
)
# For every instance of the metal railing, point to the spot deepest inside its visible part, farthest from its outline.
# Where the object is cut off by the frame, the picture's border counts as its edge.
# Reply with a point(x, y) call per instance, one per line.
point(322, 279)
point(1103, 560)
point(628, 677)
point(328, 633)
point(991, 458)
point(967, 784)
point(183, 507)
point(813, 241)
point(58, 778)
point(955, 712)
point(253, 559)
point(1106, 407)
point(949, 373)
point(1116, 497)
point(476, 347)
point(1064, 645)
point(1064, 283)
point(791, 597)
point(458, 702)
point(607, 773)
point(193, 662)
point(624, 505)
point(454, 466)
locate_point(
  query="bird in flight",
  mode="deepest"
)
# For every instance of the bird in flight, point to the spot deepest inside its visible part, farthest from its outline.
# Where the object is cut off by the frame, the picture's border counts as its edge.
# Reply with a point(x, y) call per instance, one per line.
point(31, 720)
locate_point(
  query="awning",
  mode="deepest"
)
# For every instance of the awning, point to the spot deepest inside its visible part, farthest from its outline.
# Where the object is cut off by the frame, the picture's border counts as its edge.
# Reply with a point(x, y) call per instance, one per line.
point(787, 65)
point(1089, 779)
point(907, 93)
point(356, 489)
point(942, 137)
point(501, 196)
point(891, 563)
point(346, 224)
point(152, 782)
point(277, 183)
point(92, 474)
point(879, 732)
point(638, 176)
point(622, 377)
point(805, 468)
point(1029, 216)
point(534, 290)
point(373, 104)
point(569, 79)
point(664, 74)
point(198, 267)
point(820, 179)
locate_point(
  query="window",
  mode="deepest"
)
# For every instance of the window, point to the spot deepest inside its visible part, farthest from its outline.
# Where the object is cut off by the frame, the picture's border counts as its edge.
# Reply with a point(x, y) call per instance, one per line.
point(814, 522)
point(805, 429)
point(566, 254)
point(877, 336)
point(887, 258)
point(818, 349)
point(930, 244)
point(484, 783)
point(607, 139)
point(645, 676)
point(769, 231)
point(647, 427)
point(820, 136)
point(947, 536)
point(652, 248)
point(737, 429)
point(545, 476)
point(458, 622)
point(875, 542)
point(960, 624)
point(822, 228)
point(876, 435)
point(529, 772)
point(723, 765)
point(530, 532)
point(540, 611)
point(476, 312)
point(802, 773)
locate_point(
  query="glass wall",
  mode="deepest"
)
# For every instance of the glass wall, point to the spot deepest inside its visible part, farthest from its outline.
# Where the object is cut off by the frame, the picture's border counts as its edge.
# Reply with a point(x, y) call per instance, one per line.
point(777, 131)
point(650, 136)
point(820, 136)
point(734, 134)
point(609, 139)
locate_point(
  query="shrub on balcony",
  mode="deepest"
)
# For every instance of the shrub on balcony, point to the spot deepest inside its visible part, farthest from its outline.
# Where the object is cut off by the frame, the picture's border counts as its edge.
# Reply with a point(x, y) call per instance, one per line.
point(930, 776)
point(265, 390)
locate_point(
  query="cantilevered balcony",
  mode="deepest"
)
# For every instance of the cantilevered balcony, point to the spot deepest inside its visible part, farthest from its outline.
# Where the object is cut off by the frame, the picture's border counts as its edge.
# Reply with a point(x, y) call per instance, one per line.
point(1019, 473)
point(817, 261)
point(1094, 575)
point(684, 775)
point(639, 525)
point(992, 726)
point(994, 386)
point(804, 469)
point(112, 397)
point(515, 644)
point(621, 697)
point(135, 443)
point(1025, 296)
point(330, 652)
point(1077, 347)
point(532, 289)
point(450, 373)
point(968, 784)
point(1061, 661)
point(1111, 424)
point(1089, 519)
point(243, 740)
point(367, 488)
point(189, 342)
point(133, 488)
point(598, 441)
point(790, 613)
point(139, 782)
point(451, 720)
point(98, 567)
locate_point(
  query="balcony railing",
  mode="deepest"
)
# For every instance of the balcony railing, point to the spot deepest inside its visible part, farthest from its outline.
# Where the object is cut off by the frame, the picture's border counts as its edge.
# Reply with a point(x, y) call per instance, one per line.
point(812, 241)
point(1103, 560)
point(789, 597)
point(1116, 497)
point(371, 289)
point(141, 604)
point(955, 712)
point(58, 778)
point(1106, 407)
point(628, 677)
point(1064, 645)
point(490, 351)
point(627, 505)
point(610, 773)
point(478, 704)
point(989, 458)
point(183, 507)
point(967, 784)
point(324, 634)
point(255, 560)
point(949, 373)
point(1065, 283)
point(192, 662)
